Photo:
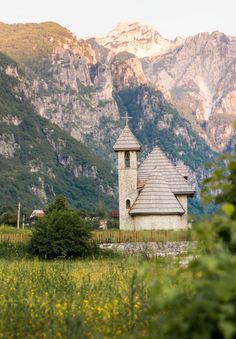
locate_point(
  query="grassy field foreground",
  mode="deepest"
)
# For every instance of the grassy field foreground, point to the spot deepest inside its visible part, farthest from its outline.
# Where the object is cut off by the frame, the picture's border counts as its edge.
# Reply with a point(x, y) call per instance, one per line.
point(106, 296)
point(93, 298)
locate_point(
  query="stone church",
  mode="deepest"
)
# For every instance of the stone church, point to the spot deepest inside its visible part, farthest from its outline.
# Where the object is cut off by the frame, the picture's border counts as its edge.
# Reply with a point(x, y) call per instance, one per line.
point(153, 196)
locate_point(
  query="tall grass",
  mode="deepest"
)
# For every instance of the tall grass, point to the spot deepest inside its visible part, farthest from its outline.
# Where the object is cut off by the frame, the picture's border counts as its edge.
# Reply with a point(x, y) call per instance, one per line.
point(58, 299)
point(103, 297)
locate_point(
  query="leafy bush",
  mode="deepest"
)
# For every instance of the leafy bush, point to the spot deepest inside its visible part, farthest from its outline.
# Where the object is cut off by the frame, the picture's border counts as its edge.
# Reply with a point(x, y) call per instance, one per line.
point(61, 233)
point(220, 187)
point(200, 301)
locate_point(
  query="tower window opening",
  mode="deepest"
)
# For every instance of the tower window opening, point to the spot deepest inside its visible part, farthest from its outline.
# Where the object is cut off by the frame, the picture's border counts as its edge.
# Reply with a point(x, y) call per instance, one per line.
point(127, 204)
point(127, 159)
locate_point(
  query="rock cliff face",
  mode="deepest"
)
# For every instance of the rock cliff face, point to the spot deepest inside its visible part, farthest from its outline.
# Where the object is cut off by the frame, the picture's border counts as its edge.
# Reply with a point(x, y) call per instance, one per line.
point(75, 93)
point(8, 146)
point(69, 86)
point(196, 74)
point(127, 71)
point(38, 160)
point(200, 77)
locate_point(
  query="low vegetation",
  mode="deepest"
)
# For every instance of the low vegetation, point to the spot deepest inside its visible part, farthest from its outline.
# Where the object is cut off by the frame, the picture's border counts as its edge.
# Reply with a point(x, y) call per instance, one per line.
point(6, 229)
point(58, 299)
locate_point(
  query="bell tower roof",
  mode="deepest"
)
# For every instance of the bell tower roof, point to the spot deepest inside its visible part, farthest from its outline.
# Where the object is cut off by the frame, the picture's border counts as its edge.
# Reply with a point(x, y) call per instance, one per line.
point(126, 141)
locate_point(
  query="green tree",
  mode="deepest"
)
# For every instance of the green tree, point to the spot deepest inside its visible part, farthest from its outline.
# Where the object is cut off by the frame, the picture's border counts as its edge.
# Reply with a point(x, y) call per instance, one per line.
point(61, 232)
point(59, 204)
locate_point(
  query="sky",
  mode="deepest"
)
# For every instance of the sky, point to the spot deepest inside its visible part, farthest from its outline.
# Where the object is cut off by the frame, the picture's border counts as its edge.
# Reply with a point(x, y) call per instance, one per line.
point(84, 18)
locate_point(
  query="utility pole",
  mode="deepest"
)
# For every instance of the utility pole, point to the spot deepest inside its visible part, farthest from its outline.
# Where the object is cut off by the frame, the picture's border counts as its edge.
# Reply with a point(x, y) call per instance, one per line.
point(23, 221)
point(18, 216)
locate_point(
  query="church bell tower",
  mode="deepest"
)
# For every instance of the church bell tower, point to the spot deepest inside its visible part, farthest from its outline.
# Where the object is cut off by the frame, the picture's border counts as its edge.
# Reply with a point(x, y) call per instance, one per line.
point(127, 147)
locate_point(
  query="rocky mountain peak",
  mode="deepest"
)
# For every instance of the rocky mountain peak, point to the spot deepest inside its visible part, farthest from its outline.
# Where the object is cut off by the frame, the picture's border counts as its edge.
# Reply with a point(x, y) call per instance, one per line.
point(139, 39)
point(131, 29)
point(200, 77)
point(215, 37)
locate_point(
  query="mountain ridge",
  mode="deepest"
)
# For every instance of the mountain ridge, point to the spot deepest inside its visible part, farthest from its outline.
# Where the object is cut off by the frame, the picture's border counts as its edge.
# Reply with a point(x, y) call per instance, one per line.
point(197, 76)
point(84, 88)
point(139, 39)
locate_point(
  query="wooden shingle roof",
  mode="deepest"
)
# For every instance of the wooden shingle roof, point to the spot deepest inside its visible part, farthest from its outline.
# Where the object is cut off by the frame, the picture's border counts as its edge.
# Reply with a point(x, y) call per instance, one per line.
point(156, 198)
point(183, 170)
point(157, 160)
point(126, 141)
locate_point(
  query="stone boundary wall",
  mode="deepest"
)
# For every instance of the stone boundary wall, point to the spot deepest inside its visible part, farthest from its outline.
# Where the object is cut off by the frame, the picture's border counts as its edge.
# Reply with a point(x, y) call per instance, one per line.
point(152, 249)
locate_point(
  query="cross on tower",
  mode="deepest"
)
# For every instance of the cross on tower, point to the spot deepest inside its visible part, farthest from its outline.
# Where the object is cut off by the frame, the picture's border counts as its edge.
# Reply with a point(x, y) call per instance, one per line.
point(126, 118)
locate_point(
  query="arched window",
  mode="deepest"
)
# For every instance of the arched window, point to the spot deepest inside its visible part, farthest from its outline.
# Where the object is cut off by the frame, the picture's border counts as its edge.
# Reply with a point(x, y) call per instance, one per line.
point(127, 204)
point(127, 160)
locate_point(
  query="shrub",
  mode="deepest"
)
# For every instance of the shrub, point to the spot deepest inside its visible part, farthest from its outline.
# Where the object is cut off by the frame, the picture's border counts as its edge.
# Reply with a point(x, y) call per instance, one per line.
point(61, 234)
point(200, 301)
point(220, 187)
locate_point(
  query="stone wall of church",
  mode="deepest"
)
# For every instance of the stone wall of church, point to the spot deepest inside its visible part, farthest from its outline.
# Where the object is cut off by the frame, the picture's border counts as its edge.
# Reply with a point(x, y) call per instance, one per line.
point(159, 222)
point(127, 188)
point(183, 200)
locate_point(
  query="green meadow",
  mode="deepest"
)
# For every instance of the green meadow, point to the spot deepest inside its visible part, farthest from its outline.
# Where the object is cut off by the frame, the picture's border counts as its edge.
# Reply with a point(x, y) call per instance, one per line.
point(103, 297)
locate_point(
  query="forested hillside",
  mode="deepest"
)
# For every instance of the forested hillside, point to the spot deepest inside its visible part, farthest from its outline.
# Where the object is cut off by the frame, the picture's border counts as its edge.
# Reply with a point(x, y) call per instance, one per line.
point(37, 159)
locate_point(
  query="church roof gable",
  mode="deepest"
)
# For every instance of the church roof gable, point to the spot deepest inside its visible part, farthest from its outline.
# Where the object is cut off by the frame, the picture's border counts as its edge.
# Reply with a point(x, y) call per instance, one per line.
point(126, 141)
point(156, 198)
point(182, 169)
point(157, 160)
